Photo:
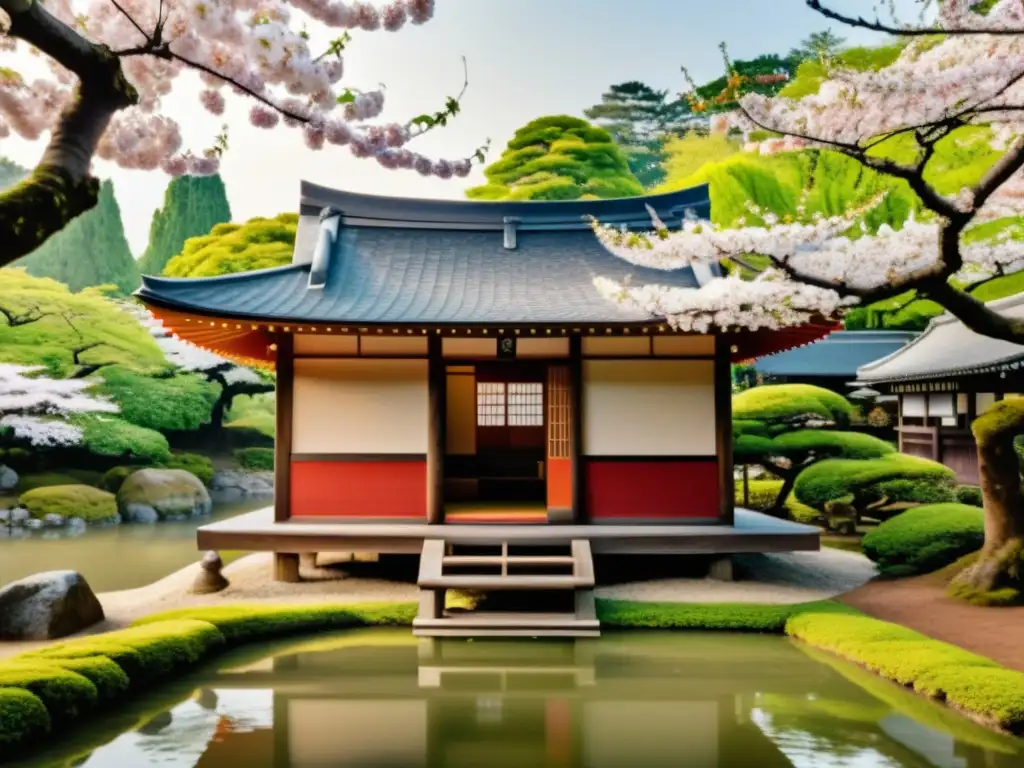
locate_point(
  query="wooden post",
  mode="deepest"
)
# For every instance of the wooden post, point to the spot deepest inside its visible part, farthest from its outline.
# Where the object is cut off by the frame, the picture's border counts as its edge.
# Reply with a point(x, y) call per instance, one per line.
point(746, 486)
point(285, 367)
point(723, 430)
point(579, 471)
point(286, 567)
point(437, 385)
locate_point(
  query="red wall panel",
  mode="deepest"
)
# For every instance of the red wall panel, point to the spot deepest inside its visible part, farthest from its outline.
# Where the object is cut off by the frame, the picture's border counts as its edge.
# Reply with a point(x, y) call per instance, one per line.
point(559, 474)
point(385, 489)
point(658, 489)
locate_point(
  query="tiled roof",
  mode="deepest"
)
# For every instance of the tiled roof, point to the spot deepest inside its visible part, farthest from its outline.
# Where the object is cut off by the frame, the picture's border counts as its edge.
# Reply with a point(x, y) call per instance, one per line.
point(839, 354)
point(948, 348)
point(405, 261)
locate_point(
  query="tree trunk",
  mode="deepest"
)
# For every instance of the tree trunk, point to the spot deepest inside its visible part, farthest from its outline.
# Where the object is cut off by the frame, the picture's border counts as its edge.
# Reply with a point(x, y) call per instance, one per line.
point(998, 575)
point(778, 509)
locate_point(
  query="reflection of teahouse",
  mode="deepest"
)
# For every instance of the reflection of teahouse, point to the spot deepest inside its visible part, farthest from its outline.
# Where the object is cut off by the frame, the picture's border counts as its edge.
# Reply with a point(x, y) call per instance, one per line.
point(452, 362)
point(944, 379)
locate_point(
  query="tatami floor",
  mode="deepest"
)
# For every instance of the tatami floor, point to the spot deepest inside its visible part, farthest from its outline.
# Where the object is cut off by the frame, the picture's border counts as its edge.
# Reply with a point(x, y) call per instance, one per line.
point(495, 512)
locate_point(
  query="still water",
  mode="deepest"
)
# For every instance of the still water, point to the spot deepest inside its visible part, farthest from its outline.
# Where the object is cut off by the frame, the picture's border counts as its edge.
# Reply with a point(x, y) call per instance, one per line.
point(382, 699)
point(112, 557)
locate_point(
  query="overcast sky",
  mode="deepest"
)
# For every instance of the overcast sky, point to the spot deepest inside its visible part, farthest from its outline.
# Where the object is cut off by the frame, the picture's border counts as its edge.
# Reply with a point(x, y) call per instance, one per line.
point(526, 58)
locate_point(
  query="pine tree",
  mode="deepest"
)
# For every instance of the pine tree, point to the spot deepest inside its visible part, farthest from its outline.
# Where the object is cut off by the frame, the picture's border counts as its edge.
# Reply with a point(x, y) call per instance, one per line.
point(193, 205)
point(90, 250)
point(559, 158)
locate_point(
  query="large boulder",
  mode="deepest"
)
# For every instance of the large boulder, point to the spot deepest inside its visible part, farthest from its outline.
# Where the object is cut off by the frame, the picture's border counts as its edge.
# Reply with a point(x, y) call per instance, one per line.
point(65, 501)
point(8, 478)
point(47, 606)
point(231, 484)
point(151, 495)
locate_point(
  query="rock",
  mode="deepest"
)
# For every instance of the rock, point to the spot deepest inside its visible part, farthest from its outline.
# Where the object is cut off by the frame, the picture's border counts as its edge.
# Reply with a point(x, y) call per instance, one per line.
point(47, 606)
point(225, 494)
point(33, 524)
point(19, 515)
point(253, 484)
point(8, 478)
point(71, 500)
point(53, 520)
point(76, 524)
point(150, 495)
point(5, 517)
point(209, 579)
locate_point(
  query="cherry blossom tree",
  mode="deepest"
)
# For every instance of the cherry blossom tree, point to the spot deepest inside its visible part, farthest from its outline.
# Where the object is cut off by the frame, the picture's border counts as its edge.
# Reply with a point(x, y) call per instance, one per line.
point(233, 379)
point(108, 64)
point(34, 409)
point(964, 71)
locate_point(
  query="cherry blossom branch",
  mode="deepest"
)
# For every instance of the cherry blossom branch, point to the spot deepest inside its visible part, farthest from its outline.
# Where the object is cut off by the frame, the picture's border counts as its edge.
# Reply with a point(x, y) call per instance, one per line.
point(877, 26)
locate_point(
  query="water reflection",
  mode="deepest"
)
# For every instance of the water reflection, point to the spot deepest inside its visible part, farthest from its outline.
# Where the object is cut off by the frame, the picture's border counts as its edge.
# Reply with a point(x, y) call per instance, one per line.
point(380, 699)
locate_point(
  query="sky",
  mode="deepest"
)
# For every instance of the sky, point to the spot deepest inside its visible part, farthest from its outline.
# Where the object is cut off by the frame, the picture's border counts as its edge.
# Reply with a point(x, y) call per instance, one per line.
point(525, 59)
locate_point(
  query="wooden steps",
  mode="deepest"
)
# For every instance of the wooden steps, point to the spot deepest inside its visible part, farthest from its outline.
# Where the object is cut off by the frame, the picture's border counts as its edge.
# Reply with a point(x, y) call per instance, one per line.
point(506, 568)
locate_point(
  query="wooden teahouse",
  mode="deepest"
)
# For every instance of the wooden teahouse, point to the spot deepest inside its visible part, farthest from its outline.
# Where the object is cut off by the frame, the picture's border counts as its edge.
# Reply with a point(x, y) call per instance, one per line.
point(449, 377)
point(944, 379)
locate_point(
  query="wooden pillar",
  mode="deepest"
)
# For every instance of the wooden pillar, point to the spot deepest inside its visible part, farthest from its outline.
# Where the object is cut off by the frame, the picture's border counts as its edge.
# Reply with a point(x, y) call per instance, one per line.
point(579, 471)
point(437, 384)
point(285, 368)
point(723, 430)
point(286, 567)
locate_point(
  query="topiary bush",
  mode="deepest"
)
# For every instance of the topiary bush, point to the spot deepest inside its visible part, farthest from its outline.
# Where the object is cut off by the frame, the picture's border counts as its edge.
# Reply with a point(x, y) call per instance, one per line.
point(200, 466)
point(84, 501)
point(925, 539)
point(108, 436)
point(23, 717)
point(862, 483)
point(969, 494)
point(256, 458)
point(65, 694)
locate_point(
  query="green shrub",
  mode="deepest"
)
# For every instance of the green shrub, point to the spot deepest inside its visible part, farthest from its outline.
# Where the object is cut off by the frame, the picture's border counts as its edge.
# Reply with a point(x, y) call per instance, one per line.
point(110, 680)
point(761, 493)
point(109, 436)
point(200, 466)
point(84, 501)
point(23, 717)
point(995, 693)
point(925, 539)
point(114, 478)
point(241, 623)
point(178, 403)
point(863, 480)
point(65, 694)
point(43, 480)
point(907, 491)
point(783, 401)
point(256, 458)
point(969, 494)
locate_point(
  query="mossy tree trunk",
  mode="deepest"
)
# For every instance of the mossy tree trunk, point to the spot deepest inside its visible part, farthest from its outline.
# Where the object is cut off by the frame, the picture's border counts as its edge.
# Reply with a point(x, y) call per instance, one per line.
point(998, 575)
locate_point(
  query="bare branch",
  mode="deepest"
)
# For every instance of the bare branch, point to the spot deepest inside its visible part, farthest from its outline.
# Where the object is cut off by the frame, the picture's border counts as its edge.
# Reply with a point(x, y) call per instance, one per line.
point(877, 26)
point(31, 315)
point(975, 314)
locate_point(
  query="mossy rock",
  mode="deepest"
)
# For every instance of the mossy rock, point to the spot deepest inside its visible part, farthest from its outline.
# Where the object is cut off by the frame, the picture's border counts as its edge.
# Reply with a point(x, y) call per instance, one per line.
point(73, 500)
point(152, 495)
point(114, 478)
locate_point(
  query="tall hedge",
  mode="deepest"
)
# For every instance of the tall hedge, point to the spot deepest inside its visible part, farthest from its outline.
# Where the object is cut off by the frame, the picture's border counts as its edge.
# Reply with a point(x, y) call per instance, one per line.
point(193, 205)
point(259, 243)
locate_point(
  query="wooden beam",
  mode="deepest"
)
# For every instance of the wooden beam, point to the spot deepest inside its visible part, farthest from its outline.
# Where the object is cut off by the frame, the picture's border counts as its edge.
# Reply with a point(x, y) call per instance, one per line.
point(723, 430)
point(579, 477)
point(285, 367)
point(437, 384)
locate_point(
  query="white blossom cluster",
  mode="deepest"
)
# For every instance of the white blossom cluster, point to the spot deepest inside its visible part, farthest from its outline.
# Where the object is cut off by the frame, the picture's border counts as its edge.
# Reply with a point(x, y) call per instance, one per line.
point(33, 408)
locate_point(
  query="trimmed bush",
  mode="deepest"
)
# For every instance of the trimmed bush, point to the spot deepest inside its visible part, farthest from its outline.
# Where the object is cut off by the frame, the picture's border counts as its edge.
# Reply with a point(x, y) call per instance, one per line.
point(734, 617)
point(65, 694)
point(114, 478)
point(761, 493)
point(925, 539)
point(84, 501)
point(110, 680)
point(864, 482)
point(23, 717)
point(256, 458)
point(200, 466)
point(109, 436)
point(969, 494)
point(782, 401)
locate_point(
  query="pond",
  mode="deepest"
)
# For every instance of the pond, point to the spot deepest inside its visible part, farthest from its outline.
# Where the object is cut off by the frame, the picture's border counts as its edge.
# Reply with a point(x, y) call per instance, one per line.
point(383, 699)
point(113, 557)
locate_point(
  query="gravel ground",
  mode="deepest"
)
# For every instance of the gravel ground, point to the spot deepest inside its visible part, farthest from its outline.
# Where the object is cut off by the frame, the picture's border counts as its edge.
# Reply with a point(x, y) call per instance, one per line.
point(788, 578)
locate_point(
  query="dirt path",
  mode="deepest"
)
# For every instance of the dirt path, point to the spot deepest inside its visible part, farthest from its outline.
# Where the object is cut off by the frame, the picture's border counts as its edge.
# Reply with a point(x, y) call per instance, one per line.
point(921, 603)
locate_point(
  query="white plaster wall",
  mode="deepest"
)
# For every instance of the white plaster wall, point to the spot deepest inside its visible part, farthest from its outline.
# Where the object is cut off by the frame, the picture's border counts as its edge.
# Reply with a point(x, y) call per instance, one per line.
point(360, 406)
point(648, 408)
point(913, 405)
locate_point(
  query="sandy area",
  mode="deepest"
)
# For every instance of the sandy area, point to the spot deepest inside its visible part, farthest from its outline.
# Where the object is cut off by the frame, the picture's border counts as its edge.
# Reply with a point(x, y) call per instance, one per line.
point(789, 578)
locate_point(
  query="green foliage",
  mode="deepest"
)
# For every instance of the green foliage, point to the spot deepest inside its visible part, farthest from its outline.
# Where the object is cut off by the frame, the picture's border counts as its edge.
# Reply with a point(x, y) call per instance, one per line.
point(169, 403)
point(91, 250)
point(23, 717)
point(67, 321)
point(733, 617)
point(44, 480)
point(971, 683)
point(200, 466)
point(825, 442)
point(761, 494)
point(811, 72)
point(790, 403)
point(970, 495)
point(114, 478)
point(925, 539)
point(862, 480)
point(255, 458)
point(558, 158)
point(84, 501)
point(193, 205)
point(686, 155)
point(758, 75)
point(110, 680)
point(818, 45)
point(65, 694)
point(258, 244)
point(121, 440)
point(253, 412)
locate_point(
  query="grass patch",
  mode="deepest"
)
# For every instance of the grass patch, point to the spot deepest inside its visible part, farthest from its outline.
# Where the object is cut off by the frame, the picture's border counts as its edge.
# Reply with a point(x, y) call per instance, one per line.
point(735, 617)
